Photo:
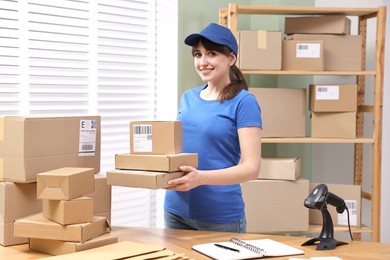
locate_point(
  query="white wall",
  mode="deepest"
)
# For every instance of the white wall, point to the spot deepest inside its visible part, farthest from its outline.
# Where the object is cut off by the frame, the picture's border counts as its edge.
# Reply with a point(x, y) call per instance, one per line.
point(334, 163)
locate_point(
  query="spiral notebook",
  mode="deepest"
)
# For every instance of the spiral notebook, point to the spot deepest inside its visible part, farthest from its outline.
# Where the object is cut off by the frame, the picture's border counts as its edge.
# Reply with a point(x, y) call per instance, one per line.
point(246, 249)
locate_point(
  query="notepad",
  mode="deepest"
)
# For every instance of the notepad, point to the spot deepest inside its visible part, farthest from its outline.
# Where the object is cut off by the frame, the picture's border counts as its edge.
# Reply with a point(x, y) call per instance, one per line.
point(246, 249)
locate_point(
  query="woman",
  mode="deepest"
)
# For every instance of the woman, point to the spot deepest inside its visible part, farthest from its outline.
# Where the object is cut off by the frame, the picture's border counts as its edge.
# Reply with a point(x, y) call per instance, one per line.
point(222, 123)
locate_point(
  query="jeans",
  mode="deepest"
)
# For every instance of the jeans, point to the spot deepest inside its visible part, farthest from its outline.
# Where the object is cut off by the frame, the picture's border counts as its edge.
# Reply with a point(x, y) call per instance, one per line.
point(176, 222)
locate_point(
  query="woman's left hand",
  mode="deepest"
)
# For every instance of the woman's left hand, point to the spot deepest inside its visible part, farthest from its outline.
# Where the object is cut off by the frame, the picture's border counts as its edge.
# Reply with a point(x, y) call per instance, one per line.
point(189, 181)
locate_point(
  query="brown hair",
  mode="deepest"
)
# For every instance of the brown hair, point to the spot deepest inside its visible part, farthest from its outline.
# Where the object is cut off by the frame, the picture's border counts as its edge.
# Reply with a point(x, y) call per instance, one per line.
point(237, 80)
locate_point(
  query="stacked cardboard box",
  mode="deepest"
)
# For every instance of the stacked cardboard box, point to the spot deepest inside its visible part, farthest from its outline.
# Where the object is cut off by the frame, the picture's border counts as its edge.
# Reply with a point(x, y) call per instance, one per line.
point(67, 218)
point(155, 156)
point(38, 143)
point(333, 110)
point(341, 51)
point(278, 189)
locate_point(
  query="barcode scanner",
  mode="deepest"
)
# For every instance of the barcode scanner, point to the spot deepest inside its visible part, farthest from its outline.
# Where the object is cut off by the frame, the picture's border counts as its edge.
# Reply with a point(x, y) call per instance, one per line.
point(319, 198)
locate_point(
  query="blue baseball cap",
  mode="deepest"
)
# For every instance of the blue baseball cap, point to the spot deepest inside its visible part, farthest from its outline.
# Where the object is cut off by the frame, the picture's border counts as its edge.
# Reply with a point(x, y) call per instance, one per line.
point(216, 33)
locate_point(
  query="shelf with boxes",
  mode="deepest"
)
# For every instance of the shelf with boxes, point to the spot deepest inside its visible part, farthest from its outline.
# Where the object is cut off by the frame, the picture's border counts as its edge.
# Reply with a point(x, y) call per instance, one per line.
point(326, 65)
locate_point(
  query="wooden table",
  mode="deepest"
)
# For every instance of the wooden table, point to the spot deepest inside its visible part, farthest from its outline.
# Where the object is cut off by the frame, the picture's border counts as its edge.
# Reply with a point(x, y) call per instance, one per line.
point(180, 241)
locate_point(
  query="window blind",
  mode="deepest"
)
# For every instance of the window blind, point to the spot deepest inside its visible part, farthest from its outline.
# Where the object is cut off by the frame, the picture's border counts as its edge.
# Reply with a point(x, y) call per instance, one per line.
point(92, 57)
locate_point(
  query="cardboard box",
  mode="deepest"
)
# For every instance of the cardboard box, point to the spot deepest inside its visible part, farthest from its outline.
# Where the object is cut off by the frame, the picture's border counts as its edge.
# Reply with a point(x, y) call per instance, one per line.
point(33, 144)
point(260, 50)
point(37, 226)
point(156, 137)
point(351, 194)
point(65, 212)
point(333, 98)
point(276, 205)
point(120, 250)
point(141, 179)
point(65, 183)
point(101, 197)
point(16, 200)
point(306, 55)
point(280, 168)
point(342, 52)
point(322, 24)
point(155, 162)
point(57, 247)
point(333, 124)
point(283, 111)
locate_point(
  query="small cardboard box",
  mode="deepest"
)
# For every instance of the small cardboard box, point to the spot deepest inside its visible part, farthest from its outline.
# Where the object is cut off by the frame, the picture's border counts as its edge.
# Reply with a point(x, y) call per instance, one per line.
point(306, 55)
point(37, 226)
point(33, 144)
point(280, 168)
point(333, 98)
point(283, 111)
point(141, 179)
point(57, 247)
point(155, 162)
point(260, 50)
point(351, 194)
point(322, 24)
point(341, 52)
point(65, 183)
point(65, 212)
point(333, 124)
point(156, 137)
point(276, 205)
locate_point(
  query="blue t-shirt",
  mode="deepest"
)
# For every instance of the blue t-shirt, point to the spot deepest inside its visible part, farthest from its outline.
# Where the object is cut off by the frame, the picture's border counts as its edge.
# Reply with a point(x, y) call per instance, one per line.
point(210, 129)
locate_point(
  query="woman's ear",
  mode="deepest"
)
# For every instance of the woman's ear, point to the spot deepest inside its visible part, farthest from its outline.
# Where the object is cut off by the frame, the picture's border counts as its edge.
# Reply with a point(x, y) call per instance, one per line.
point(233, 59)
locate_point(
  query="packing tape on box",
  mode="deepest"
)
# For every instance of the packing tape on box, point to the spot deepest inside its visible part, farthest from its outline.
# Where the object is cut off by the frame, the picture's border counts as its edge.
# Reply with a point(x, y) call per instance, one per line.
point(1, 169)
point(262, 39)
point(2, 128)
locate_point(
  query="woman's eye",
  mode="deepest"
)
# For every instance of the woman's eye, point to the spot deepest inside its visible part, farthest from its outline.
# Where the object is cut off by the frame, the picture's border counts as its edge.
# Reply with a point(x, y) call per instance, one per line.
point(211, 53)
point(197, 55)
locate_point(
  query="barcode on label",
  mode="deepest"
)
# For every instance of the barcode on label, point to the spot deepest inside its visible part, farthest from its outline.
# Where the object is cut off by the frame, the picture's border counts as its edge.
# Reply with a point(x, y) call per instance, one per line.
point(87, 147)
point(303, 47)
point(351, 205)
point(322, 89)
point(142, 130)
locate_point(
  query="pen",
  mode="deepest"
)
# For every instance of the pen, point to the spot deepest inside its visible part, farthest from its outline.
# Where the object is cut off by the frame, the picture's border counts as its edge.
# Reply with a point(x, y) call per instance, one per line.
point(227, 248)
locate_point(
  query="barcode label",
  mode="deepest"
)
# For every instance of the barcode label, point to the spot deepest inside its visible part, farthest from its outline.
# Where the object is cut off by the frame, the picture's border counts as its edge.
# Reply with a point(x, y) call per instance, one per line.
point(87, 141)
point(142, 130)
point(308, 50)
point(142, 138)
point(303, 47)
point(327, 92)
point(343, 218)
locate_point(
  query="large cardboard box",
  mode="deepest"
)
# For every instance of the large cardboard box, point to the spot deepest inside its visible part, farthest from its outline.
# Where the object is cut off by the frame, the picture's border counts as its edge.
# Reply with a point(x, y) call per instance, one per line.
point(342, 52)
point(276, 205)
point(321, 24)
point(283, 111)
point(333, 98)
point(280, 168)
point(155, 162)
point(65, 183)
point(333, 124)
point(306, 55)
point(16, 200)
point(66, 212)
point(33, 144)
point(141, 179)
point(156, 137)
point(351, 194)
point(260, 50)
point(101, 197)
point(57, 247)
point(37, 226)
